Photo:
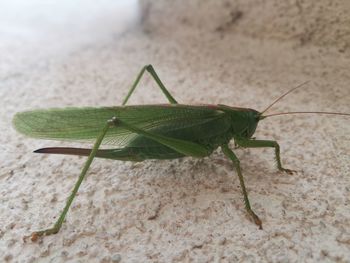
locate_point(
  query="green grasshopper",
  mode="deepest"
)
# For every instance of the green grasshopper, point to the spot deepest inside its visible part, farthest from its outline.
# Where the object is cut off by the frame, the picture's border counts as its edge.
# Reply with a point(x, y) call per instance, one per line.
point(163, 131)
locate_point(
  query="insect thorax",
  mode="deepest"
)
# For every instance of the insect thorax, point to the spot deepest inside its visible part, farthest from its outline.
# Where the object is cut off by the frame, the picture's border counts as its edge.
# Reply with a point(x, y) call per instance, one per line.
point(243, 120)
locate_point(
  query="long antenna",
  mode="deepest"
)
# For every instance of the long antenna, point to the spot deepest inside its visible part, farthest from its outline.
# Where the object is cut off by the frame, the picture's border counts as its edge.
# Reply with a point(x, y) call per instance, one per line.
point(306, 112)
point(283, 95)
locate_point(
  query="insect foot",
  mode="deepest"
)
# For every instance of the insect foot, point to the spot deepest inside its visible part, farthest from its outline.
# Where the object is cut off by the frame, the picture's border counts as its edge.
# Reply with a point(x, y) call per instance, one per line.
point(34, 237)
point(288, 171)
point(256, 219)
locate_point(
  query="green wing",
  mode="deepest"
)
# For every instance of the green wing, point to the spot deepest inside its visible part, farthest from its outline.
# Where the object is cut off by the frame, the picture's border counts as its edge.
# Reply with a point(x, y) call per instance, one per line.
point(85, 124)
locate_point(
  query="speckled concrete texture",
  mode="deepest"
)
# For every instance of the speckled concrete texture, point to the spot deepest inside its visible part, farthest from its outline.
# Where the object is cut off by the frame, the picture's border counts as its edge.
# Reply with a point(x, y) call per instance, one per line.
point(321, 23)
point(186, 210)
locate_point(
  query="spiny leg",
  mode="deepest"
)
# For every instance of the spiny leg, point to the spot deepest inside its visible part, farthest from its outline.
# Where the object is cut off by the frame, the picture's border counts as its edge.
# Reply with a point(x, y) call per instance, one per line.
point(230, 154)
point(92, 155)
point(262, 144)
point(153, 73)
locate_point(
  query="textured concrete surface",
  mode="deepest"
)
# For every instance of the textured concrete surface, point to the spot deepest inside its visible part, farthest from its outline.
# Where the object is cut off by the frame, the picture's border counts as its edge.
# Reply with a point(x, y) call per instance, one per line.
point(321, 23)
point(184, 210)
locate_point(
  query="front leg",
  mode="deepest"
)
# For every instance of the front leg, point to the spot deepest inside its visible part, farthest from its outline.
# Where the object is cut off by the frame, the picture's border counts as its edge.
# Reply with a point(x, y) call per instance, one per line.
point(247, 143)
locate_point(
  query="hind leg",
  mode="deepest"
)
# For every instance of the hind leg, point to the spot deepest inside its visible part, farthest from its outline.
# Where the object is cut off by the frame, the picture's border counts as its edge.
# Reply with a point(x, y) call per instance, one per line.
point(92, 154)
point(153, 73)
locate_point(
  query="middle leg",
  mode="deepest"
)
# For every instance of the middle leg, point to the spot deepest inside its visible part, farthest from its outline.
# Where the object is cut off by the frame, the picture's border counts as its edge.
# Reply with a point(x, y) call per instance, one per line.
point(230, 154)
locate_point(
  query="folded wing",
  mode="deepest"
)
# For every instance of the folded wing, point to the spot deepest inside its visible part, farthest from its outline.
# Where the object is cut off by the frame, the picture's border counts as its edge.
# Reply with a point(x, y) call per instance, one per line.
point(85, 124)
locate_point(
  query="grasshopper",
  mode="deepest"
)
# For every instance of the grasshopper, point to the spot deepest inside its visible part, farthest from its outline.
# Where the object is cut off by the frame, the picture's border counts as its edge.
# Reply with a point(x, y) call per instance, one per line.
point(141, 132)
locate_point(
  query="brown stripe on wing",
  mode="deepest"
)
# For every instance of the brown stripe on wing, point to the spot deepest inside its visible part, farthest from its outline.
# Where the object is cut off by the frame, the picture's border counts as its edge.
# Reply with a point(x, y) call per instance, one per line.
point(65, 150)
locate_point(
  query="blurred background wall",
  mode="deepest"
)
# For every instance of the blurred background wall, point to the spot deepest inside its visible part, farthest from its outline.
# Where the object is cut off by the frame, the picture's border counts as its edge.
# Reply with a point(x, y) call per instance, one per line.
point(324, 23)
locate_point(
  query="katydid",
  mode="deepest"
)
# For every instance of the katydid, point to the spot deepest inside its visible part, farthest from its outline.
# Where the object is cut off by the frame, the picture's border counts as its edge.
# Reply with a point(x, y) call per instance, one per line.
point(141, 132)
